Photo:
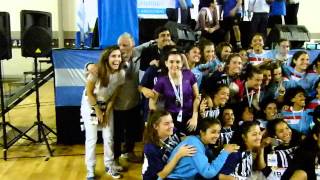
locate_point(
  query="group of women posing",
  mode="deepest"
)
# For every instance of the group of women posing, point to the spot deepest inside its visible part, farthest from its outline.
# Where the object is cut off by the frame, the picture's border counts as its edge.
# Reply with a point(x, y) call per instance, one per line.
point(249, 121)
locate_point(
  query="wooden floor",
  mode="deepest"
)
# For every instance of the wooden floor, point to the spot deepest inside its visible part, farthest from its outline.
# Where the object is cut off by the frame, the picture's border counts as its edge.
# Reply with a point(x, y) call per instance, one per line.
point(31, 161)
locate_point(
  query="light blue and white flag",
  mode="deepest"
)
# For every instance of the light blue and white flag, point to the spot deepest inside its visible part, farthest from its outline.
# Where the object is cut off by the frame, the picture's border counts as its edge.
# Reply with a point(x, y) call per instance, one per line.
point(82, 21)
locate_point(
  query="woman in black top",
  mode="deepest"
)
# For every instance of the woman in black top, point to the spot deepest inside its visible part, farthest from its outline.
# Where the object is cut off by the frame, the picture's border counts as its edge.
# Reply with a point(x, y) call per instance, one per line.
point(279, 148)
point(306, 160)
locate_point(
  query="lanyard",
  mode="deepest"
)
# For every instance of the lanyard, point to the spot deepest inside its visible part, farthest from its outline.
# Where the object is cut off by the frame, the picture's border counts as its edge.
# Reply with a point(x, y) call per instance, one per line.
point(178, 94)
point(297, 113)
point(250, 97)
point(280, 89)
point(225, 79)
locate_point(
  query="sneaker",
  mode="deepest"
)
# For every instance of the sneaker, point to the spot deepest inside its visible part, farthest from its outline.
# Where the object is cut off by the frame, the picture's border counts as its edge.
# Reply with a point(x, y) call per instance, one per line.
point(131, 157)
point(117, 166)
point(90, 176)
point(113, 172)
point(124, 155)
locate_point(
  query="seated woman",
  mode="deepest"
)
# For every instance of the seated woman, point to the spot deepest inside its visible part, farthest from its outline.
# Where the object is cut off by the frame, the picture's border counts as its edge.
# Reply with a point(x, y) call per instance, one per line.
point(244, 113)
point(269, 111)
point(297, 116)
point(281, 51)
point(279, 82)
point(208, 62)
point(297, 68)
point(316, 100)
point(215, 97)
point(223, 50)
point(159, 141)
point(258, 54)
point(208, 23)
point(239, 165)
point(305, 164)
point(298, 73)
point(283, 142)
point(193, 56)
point(229, 76)
point(251, 91)
point(227, 117)
point(189, 167)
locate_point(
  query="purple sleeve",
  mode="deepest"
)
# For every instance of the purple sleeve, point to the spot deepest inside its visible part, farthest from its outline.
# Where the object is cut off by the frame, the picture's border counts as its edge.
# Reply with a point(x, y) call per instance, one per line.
point(191, 77)
point(159, 86)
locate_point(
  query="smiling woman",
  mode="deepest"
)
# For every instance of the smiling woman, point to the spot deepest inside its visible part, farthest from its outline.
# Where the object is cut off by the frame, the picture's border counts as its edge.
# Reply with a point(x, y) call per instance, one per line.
point(189, 167)
point(179, 90)
point(160, 139)
point(240, 164)
point(297, 116)
point(97, 109)
point(306, 163)
point(216, 96)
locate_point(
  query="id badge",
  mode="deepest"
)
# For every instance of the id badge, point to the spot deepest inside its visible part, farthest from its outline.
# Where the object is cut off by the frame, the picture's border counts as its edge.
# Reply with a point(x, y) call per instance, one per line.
point(272, 160)
point(276, 174)
point(240, 177)
point(179, 117)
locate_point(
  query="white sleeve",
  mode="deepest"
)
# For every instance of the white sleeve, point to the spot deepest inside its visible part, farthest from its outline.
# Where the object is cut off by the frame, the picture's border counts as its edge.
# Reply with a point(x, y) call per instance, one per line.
point(92, 77)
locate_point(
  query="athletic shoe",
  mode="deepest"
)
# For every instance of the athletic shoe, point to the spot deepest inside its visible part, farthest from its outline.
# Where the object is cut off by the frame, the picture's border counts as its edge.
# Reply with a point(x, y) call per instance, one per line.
point(113, 172)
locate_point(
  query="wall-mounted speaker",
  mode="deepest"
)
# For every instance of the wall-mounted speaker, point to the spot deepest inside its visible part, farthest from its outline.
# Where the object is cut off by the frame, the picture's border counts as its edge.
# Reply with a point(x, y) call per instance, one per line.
point(36, 33)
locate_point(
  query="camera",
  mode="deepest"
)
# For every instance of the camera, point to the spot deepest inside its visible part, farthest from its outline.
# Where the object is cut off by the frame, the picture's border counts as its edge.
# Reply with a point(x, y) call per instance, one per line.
point(125, 65)
point(276, 142)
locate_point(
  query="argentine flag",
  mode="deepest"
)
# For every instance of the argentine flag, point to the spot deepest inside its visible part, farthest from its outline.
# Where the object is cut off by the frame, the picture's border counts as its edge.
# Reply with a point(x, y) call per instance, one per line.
point(82, 21)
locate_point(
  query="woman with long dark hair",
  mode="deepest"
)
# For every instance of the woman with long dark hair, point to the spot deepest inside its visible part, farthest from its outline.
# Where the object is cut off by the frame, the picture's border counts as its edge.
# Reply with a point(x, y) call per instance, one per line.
point(179, 91)
point(278, 149)
point(240, 164)
point(306, 162)
point(230, 76)
point(97, 109)
point(189, 167)
point(227, 121)
point(208, 62)
point(298, 73)
point(215, 97)
point(159, 141)
point(269, 112)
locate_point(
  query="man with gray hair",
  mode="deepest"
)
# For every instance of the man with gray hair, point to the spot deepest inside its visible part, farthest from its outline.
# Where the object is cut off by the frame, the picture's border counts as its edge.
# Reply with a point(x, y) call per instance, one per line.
point(128, 123)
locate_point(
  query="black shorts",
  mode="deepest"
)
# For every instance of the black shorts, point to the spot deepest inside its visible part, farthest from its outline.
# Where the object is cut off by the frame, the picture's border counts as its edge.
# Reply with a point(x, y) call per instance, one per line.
point(230, 21)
